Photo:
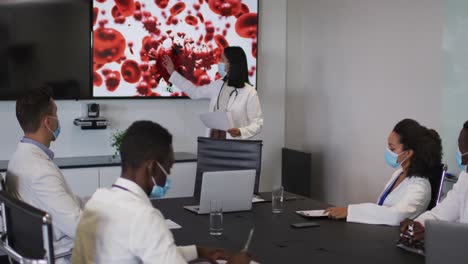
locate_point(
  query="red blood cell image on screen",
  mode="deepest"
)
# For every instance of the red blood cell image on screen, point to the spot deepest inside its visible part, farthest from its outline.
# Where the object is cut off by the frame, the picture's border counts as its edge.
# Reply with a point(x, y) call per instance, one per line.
point(126, 7)
point(210, 29)
point(115, 12)
point(244, 10)
point(200, 16)
point(177, 8)
point(150, 24)
point(137, 15)
point(254, 48)
point(225, 7)
point(131, 71)
point(246, 25)
point(162, 3)
point(221, 41)
point(109, 45)
point(112, 81)
point(191, 20)
point(130, 39)
point(97, 79)
point(143, 88)
point(95, 15)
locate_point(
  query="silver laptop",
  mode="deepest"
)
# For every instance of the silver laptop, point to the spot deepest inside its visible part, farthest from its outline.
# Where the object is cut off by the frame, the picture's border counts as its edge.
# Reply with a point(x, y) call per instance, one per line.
point(233, 188)
point(446, 242)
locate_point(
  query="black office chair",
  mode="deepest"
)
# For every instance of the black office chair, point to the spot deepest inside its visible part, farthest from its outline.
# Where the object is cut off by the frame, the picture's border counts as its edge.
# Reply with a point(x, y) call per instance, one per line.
point(296, 171)
point(437, 185)
point(27, 234)
point(227, 154)
point(2, 182)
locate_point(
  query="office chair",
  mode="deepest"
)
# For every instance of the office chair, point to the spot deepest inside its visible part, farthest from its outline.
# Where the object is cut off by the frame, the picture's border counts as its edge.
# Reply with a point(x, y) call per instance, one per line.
point(2, 182)
point(437, 185)
point(296, 171)
point(227, 154)
point(27, 233)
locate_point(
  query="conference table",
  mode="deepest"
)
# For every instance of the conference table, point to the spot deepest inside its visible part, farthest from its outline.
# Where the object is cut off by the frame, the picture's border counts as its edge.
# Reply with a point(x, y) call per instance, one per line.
point(275, 241)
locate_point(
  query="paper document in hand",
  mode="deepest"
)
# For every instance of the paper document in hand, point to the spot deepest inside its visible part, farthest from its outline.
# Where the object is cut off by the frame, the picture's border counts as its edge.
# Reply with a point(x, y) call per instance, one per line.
point(217, 120)
point(313, 213)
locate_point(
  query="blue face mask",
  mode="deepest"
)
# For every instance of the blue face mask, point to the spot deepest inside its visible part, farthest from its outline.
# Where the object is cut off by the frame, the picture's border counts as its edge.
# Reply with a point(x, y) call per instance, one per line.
point(55, 133)
point(158, 191)
point(392, 158)
point(222, 69)
point(459, 160)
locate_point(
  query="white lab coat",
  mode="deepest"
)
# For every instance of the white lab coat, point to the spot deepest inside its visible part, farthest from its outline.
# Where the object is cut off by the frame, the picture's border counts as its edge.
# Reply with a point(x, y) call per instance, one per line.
point(245, 107)
point(408, 200)
point(122, 226)
point(454, 208)
point(35, 179)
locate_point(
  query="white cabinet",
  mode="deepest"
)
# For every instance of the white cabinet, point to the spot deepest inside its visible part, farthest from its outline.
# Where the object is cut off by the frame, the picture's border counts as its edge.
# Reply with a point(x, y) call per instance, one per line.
point(108, 175)
point(83, 181)
point(183, 180)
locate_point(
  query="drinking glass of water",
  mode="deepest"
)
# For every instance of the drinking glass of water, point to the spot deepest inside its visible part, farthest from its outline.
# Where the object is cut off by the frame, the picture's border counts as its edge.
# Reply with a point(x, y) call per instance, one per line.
point(216, 218)
point(277, 197)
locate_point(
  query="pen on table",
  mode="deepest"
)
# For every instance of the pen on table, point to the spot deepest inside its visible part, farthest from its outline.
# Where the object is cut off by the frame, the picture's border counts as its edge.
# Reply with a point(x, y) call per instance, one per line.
point(247, 244)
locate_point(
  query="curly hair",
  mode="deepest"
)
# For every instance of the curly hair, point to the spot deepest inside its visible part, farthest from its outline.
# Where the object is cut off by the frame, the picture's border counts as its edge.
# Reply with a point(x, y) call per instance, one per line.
point(426, 145)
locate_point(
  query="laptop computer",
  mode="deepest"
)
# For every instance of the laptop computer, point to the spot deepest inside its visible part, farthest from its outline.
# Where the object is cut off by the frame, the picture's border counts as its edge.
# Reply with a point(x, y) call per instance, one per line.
point(446, 242)
point(233, 188)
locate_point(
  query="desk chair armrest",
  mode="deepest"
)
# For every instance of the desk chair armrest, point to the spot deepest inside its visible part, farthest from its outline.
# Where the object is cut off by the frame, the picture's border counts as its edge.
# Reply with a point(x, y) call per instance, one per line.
point(18, 258)
point(64, 254)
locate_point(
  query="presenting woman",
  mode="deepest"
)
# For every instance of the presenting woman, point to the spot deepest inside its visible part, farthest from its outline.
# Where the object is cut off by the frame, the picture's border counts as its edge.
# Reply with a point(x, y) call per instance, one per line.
point(416, 153)
point(232, 93)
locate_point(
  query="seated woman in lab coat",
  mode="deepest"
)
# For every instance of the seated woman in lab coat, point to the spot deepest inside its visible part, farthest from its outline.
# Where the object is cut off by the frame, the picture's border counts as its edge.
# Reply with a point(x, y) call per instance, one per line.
point(417, 152)
point(454, 208)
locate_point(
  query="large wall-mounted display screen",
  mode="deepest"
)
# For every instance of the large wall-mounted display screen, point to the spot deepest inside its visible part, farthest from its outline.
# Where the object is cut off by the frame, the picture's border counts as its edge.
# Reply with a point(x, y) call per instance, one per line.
point(130, 37)
point(45, 42)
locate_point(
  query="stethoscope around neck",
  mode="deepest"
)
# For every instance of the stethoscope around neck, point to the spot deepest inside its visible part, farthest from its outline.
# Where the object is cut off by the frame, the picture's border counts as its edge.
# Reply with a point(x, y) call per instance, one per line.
point(230, 94)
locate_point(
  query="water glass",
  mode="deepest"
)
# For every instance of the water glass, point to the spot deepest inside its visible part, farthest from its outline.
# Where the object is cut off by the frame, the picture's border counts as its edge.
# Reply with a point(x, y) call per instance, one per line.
point(277, 197)
point(216, 218)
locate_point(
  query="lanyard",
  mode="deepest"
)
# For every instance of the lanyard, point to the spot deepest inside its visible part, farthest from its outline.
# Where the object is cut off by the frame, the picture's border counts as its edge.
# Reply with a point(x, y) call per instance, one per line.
point(387, 192)
point(120, 187)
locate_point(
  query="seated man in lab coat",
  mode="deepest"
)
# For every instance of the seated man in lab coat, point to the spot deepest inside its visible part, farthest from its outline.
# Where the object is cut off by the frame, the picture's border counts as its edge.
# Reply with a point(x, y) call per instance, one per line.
point(454, 208)
point(416, 153)
point(120, 225)
point(33, 177)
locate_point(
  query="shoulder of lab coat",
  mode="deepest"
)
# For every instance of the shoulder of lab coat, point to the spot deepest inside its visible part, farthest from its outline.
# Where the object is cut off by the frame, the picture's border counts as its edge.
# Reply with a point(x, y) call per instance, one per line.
point(411, 203)
point(451, 208)
point(254, 114)
point(46, 185)
point(193, 91)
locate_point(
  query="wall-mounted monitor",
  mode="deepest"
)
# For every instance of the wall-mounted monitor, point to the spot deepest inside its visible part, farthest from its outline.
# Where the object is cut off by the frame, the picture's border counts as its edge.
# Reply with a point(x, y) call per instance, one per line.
point(45, 42)
point(192, 32)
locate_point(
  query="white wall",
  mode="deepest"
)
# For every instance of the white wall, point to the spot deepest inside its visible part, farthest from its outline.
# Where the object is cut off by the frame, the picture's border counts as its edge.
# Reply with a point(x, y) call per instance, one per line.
point(179, 116)
point(455, 61)
point(354, 69)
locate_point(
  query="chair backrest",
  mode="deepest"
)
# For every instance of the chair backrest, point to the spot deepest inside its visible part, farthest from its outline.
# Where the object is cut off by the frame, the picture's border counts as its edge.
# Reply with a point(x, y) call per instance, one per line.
point(227, 155)
point(27, 231)
point(2, 182)
point(437, 184)
point(296, 171)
